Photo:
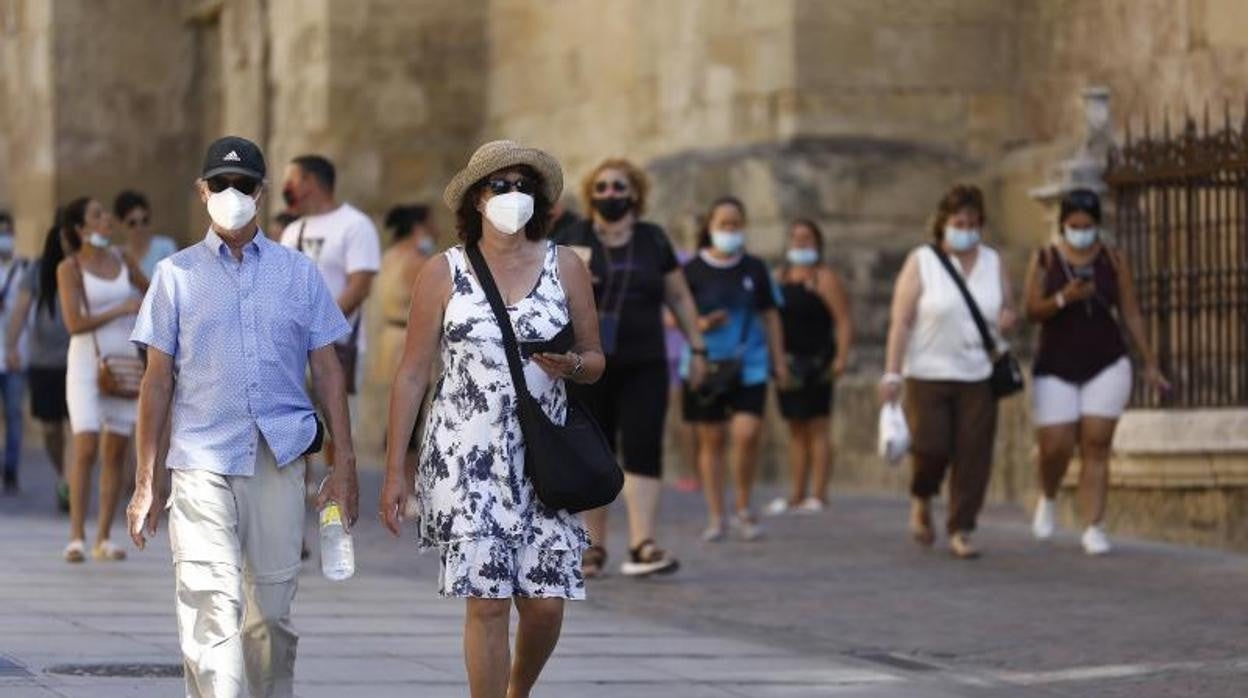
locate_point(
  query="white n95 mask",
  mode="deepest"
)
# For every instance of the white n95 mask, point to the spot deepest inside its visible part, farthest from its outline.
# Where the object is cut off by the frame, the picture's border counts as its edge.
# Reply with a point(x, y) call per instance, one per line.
point(509, 212)
point(231, 209)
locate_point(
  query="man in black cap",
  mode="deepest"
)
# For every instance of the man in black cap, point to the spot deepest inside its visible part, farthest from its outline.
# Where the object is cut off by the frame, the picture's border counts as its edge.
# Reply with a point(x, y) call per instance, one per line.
point(230, 326)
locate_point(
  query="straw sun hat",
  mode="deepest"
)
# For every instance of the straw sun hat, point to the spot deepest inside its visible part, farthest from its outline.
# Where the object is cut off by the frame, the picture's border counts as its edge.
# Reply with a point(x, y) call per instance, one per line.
point(500, 155)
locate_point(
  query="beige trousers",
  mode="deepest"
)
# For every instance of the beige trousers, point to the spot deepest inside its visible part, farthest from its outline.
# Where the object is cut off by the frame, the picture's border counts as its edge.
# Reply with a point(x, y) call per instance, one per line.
point(236, 542)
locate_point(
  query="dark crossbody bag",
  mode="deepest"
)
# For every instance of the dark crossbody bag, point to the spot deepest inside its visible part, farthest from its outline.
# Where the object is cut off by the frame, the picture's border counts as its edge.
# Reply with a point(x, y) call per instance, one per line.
point(1007, 376)
point(570, 465)
point(723, 376)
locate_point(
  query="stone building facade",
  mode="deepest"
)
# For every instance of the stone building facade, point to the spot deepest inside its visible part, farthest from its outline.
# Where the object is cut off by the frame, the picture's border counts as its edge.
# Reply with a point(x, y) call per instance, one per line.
point(857, 113)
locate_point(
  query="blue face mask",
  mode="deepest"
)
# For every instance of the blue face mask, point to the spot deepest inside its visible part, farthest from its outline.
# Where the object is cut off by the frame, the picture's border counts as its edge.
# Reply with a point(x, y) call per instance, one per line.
point(727, 241)
point(426, 246)
point(802, 256)
point(1081, 238)
point(961, 239)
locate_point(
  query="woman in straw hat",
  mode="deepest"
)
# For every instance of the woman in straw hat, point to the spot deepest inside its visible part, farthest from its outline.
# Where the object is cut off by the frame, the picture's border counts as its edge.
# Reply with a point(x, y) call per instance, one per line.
point(499, 544)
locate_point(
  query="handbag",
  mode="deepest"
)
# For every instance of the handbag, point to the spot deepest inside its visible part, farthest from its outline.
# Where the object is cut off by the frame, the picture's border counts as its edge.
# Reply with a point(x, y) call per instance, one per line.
point(570, 465)
point(117, 375)
point(723, 376)
point(1007, 376)
point(806, 370)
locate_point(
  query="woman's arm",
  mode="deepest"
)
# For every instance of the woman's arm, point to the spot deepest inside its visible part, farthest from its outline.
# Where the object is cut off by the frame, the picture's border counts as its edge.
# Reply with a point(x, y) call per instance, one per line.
point(679, 301)
point(1133, 319)
point(906, 292)
point(587, 352)
point(137, 278)
point(775, 345)
point(832, 291)
point(424, 334)
point(13, 332)
point(77, 321)
point(1008, 317)
point(1040, 308)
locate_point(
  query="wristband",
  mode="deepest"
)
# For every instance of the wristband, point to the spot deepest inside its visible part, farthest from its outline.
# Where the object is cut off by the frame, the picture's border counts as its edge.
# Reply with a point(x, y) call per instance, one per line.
point(580, 366)
point(698, 351)
point(892, 378)
point(1060, 299)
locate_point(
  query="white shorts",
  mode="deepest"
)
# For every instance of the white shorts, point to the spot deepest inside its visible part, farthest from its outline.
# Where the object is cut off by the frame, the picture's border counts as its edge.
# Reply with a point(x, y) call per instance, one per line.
point(1055, 401)
point(92, 411)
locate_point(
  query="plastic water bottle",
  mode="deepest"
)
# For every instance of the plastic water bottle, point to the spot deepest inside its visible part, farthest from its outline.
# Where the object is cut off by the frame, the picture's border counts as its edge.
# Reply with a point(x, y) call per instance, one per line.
point(337, 548)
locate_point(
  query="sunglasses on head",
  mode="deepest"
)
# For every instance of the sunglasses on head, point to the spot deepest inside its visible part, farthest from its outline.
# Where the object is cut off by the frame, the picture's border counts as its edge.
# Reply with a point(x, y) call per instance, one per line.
point(498, 185)
point(618, 186)
point(245, 185)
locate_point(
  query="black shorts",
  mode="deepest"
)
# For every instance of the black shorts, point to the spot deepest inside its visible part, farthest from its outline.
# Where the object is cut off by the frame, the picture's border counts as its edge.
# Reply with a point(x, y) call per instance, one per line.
point(47, 394)
point(807, 402)
point(749, 399)
point(629, 402)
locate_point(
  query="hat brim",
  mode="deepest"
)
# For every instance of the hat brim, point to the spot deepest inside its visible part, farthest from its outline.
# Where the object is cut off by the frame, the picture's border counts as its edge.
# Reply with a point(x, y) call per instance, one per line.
point(233, 169)
point(479, 168)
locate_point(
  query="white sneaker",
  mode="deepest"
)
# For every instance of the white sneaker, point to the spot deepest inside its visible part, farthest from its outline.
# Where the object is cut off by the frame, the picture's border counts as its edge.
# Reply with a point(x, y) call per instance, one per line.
point(747, 527)
point(713, 533)
point(1044, 523)
point(811, 505)
point(1095, 542)
point(778, 507)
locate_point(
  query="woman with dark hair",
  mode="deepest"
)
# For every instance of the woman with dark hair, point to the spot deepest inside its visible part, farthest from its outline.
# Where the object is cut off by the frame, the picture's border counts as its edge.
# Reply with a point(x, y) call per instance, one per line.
point(817, 335)
point(1082, 294)
point(935, 350)
point(737, 308)
point(100, 290)
point(135, 214)
point(500, 545)
point(37, 313)
point(635, 276)
point(413, 242)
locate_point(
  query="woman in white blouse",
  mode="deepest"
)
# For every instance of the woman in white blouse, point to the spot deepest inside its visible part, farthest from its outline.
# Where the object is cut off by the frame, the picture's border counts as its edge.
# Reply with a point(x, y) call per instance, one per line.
point(936, 359)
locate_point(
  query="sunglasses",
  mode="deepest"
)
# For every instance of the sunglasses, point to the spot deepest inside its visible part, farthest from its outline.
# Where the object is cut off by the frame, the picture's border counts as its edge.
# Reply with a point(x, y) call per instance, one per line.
point(136, 222)
point(245, 185)
point(524, 185)
point(618, 186)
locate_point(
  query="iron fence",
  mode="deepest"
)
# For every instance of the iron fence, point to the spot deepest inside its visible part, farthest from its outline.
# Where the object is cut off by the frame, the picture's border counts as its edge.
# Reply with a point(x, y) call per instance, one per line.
point(1181, 215)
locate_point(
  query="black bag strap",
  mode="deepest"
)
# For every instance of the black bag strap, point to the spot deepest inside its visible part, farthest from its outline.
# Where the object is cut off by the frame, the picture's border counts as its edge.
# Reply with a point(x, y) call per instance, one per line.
point(510, 346)
point(989, 345)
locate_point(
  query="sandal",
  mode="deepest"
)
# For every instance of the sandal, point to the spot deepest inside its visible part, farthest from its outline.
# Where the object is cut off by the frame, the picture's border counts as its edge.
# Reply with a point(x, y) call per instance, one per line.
point(107, 552)
point(593, 561)
point(921, 522)
point(647, 559)
point(75, 552)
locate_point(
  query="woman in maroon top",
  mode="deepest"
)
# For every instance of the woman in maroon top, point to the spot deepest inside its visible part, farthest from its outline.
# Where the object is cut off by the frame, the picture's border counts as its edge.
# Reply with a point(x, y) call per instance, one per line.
point(1082, 294)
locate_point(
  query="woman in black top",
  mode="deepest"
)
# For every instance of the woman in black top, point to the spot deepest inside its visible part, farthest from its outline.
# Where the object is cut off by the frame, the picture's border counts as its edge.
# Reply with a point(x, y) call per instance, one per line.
point(817, 334)
point(635, 274)
point(1082, 294)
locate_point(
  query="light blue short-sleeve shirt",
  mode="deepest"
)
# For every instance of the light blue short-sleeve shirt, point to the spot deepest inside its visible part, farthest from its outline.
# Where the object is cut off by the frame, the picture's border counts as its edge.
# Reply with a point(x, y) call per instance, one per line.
point(239, 334)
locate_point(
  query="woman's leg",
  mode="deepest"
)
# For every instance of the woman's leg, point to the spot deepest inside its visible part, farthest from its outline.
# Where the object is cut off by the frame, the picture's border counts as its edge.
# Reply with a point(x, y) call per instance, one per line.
point(85, 445)
point(641, 494)
point(745, 438)
point(799, 459)
point(487, 654)
point(1057, 445)
point(541, 620)
point(1096, 434)
point(710, 446)
point(54, 444)
point(820, 457)
point(113, 450)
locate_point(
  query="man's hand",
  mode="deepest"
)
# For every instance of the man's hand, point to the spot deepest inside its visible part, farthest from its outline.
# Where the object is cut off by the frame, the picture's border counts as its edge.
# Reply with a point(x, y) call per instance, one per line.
point(697, 370)
point(394, 494)
point(143, 513)
point(12, 360)
point(342, 486)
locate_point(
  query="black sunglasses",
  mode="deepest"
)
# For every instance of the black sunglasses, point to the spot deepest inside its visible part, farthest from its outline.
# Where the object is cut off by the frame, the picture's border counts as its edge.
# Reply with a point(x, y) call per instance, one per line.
point(618, 186)
point(245, 185)
point(524, 185)
point(132, 222)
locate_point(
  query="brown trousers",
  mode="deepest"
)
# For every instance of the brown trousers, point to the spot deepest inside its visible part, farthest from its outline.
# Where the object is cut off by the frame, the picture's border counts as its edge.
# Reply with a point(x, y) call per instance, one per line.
point(953, 425)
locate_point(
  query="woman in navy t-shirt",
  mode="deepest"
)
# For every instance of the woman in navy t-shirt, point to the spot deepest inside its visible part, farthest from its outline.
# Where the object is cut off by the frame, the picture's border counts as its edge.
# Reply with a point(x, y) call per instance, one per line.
point(741, 326)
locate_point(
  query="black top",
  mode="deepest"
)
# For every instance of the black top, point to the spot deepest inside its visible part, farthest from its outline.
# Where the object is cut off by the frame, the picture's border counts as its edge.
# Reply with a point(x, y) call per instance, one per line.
point(808, 328)
point(1083, 338)
point(633, 289)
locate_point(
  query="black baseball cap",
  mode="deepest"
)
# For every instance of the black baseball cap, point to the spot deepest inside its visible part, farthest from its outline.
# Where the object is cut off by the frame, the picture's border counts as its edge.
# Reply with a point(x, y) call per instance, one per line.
point(233, 155)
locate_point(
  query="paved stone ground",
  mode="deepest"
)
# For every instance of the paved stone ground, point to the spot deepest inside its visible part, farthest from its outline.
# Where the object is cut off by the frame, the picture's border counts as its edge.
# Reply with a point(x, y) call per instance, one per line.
point(832, 605)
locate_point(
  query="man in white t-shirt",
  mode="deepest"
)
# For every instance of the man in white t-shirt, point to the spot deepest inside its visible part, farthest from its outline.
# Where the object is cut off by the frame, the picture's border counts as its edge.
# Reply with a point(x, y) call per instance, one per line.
point(337, 236)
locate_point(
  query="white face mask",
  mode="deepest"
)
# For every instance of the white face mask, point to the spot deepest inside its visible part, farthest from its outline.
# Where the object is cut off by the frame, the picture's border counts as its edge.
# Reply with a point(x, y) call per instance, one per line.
point(961, 239)
point(6, 245)
point(509, 212)
point(802, 256)
point(231, 209)
point(97, 239)
point(1082, 238)
point(727, 241)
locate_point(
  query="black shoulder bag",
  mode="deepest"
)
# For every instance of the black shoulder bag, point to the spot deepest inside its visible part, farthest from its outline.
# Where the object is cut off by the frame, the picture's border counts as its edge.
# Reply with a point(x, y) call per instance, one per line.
point(571, 465)
point(1007, 376)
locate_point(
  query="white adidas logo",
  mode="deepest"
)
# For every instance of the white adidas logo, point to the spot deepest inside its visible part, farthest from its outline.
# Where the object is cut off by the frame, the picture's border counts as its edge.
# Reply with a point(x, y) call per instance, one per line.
point(232, 157)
